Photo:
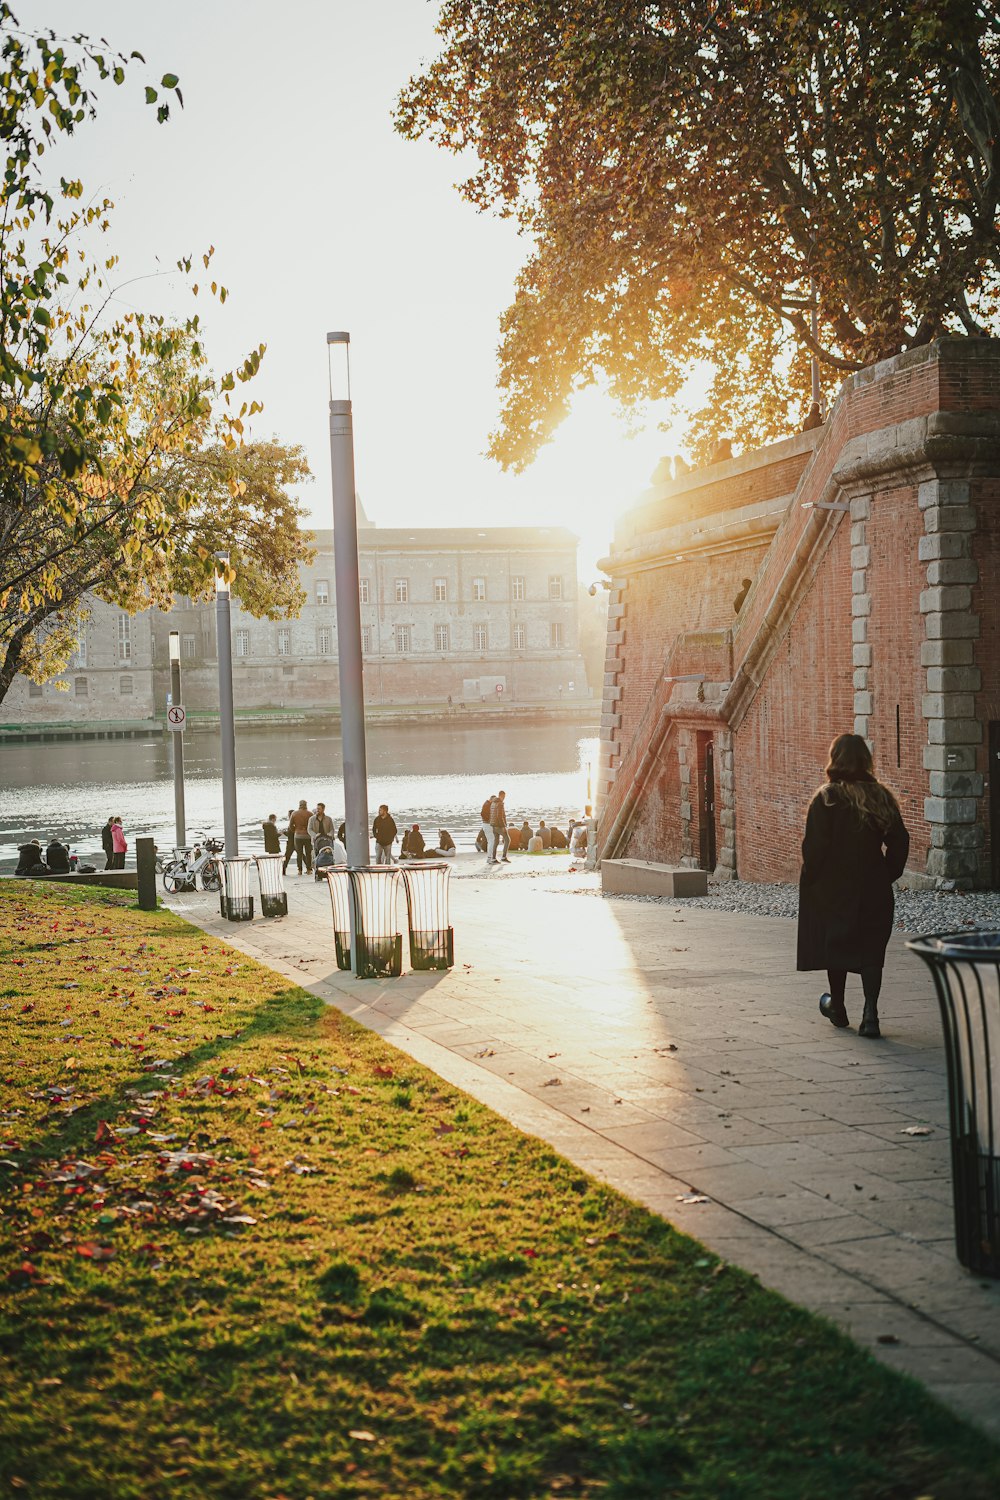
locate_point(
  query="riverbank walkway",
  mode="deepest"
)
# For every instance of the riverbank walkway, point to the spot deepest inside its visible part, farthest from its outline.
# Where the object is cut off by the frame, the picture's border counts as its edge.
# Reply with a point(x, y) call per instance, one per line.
point(674, 1053)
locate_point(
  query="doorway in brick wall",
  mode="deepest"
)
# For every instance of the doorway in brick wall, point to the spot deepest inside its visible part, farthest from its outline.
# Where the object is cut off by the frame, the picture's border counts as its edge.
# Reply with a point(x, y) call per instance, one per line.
point(706, 802)
point(994, 776)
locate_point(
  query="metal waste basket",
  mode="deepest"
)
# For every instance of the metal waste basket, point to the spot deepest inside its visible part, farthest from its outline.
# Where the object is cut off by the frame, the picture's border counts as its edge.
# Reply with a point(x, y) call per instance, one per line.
point(432, 941)
point(273, 896)
point(966, 970)
point(339, 885)
point(235, 900)
point(378, 943)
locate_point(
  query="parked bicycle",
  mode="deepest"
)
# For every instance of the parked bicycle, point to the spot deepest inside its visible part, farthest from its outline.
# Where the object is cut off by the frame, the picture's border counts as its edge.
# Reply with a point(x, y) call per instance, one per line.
point(181, 874)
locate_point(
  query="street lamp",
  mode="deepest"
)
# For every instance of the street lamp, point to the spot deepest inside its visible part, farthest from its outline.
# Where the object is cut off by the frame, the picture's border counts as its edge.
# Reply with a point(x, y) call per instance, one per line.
point(180, 826)
point(345, 564)
point(227, 727)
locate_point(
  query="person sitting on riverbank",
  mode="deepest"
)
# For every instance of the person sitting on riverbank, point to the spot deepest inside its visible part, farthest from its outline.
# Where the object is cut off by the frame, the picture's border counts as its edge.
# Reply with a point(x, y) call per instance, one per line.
point(413, 844)
point(445, 846)
point(526, 833)
point(559, 839)
point(545, 834)
point(57, 857)
point(481, 843)
point(28, 855)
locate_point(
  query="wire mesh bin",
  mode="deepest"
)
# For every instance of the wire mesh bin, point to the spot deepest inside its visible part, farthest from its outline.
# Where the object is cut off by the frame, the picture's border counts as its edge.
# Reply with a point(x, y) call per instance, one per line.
point(235, 900)
point(378, 952)
point(339, 884)
point(966, 970)
point(273, 896)
point(432, 941)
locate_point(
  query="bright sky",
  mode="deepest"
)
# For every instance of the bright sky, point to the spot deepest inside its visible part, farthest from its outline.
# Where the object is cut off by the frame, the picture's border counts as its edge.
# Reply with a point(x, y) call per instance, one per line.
point(284, 157)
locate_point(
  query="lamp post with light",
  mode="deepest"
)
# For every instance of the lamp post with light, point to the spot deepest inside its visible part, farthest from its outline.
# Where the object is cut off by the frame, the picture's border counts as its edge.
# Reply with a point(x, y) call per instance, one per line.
point(346, 573)
point(227, 726)
point(180, 825)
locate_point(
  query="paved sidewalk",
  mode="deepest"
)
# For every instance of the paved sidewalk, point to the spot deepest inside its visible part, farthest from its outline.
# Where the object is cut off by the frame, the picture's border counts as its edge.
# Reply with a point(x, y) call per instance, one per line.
point(674, 1053)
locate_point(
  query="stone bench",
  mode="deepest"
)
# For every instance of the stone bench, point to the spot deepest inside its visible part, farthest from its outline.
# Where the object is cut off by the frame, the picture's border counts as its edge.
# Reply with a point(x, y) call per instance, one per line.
point(641, 877)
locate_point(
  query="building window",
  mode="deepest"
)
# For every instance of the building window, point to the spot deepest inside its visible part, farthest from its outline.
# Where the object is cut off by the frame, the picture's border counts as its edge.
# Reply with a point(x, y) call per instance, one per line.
point(440, 591)
point(79, 658)
point(479, 590)
point(480, 637)
point(363, 590)
point(125, 687)
point(402, 590)
point(285, 641)
point(402, 634)
point(35, 690)
point(366, 640)
point(189, 645)
point(80, 687)
point(518, 589)
point(288, 671)
point(556, 636)
point(441, 638)
point(518, 637)
point(555, 589)
point(324, 640)
point(124, 638)
point(322, 591)
point(242, 643)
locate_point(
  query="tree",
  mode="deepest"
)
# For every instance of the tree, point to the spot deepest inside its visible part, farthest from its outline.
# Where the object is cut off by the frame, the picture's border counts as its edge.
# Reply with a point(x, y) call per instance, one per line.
point(172, 491)
point(695, 179)
point(123, 466)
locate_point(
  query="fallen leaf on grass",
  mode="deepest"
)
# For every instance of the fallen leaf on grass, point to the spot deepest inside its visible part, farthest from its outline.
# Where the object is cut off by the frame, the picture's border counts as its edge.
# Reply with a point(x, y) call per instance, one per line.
point(381, 1072)
point(95, 1252)
point(362, 1435)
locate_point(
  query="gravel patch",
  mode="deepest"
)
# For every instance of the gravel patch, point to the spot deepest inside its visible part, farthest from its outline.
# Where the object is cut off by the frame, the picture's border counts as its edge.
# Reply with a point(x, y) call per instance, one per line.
point(916, 911)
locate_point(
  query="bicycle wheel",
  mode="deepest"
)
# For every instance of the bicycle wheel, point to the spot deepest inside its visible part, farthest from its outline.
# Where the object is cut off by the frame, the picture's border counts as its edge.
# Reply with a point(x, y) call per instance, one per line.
point(210, 878)
point(173, 878)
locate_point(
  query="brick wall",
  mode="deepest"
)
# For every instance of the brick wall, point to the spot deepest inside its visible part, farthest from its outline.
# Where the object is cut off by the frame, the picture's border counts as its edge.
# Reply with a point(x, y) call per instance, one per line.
point(874, 607)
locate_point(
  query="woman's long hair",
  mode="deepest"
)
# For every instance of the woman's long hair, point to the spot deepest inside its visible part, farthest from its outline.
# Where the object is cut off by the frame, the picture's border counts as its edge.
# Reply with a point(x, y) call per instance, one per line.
point(850, 780)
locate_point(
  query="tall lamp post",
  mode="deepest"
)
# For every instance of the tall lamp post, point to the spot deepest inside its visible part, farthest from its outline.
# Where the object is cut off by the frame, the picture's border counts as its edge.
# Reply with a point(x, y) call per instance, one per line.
point(227, 727)
point(345, 554)
point(180, 824)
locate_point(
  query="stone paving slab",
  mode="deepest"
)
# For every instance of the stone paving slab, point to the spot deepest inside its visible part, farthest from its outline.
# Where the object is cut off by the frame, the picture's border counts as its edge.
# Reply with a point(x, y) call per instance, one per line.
point(691, 1059)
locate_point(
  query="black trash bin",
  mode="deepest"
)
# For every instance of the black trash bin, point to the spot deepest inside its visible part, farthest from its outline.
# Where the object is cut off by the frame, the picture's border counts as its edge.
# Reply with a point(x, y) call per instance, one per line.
point(432, 940)
point(378, 942)
point(339, 884)
point(273, 896)
point(966, 970)
point(235, 900)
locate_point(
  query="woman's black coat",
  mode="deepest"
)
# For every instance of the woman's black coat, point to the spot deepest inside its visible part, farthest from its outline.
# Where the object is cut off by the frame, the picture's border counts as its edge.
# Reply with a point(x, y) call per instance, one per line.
point(845, 890)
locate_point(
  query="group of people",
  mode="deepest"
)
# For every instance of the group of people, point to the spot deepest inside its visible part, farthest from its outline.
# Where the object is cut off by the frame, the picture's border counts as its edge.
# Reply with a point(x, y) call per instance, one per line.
point(495, 834)
point(315, 841)
point(54, 859)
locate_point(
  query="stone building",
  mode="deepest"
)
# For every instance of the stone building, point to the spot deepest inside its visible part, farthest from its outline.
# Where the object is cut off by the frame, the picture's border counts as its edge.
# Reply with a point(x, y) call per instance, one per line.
point(474, 615)
point(872, 550)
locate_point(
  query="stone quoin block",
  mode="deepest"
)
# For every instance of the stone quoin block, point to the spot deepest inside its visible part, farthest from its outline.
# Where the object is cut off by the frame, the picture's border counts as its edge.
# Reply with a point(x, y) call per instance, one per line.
point(946, 544)
point(953, 864)
point(949, 518)
point(862, 655)
point(857, 533)
point(861, 557)
point(947, 706)
point(949, 758)
point(956, 784)
point(952, 625)
point(950, 809)
point(861, 604)
point(942, 492)
point(861, 725)
point(862, 703)
point(957, 836)
point(860, 677)
point(858, 584)
point(861, 508)
point(954, 679)
point(941, 653)
point(954, 732)
point(952, 570)
point(954, 596)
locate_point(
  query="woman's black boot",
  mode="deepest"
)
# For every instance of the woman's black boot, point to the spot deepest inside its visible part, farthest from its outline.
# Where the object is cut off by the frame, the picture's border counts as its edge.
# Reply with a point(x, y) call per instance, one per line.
point(869, 1021)
point(835, 1011)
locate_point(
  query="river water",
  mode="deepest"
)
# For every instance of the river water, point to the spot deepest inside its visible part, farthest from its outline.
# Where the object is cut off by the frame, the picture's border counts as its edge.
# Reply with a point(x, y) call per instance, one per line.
point(437, 775)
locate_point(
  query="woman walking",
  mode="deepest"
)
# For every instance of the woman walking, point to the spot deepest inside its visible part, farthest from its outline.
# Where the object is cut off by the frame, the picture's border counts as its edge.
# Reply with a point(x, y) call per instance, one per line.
point(854, 848)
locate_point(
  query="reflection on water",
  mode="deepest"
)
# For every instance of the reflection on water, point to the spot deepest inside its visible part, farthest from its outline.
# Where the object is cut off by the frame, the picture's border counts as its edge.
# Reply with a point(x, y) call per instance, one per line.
point(437, 775)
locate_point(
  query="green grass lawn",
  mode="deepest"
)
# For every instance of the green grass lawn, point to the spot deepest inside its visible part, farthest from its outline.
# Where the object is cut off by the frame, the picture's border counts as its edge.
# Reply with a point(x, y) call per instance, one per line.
point(250, 1250)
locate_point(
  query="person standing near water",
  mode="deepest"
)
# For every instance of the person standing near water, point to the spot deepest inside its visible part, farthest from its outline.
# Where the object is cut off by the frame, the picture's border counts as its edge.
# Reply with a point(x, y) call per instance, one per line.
point(108, 845)
point(384, 833)
point(855, 846)
point(119, 843)
point(272, 838)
